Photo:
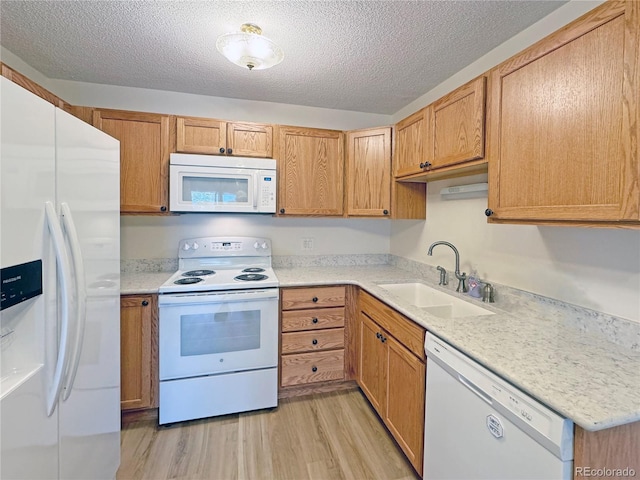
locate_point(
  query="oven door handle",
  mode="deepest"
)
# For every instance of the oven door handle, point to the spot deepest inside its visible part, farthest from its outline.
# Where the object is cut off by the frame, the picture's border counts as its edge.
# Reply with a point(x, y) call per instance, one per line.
point(209, 298)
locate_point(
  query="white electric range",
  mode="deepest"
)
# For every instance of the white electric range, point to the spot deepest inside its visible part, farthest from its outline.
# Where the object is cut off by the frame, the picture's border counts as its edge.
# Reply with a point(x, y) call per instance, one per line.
point(219, 330)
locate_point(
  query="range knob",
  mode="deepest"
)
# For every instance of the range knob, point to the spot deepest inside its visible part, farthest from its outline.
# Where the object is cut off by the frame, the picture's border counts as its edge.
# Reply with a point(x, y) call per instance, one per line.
point(186, 247)
point(264, 245)
point(256, 245)
point(195, 245)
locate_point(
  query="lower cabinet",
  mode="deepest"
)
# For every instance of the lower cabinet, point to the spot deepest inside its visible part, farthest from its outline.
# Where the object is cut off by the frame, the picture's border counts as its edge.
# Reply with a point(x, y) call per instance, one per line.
point(138, 352)
point(392, 373)
point(313, 335)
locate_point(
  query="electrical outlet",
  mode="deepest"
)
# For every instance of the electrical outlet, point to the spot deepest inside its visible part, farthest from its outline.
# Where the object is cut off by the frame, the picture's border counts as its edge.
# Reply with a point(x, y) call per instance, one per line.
point(307, 244)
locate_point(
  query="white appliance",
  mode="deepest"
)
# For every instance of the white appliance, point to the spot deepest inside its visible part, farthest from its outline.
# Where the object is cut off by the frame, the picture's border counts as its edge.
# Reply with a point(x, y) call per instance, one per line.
point(60, 259)
point(219, 330)
point(477, 426)
point(210, 183)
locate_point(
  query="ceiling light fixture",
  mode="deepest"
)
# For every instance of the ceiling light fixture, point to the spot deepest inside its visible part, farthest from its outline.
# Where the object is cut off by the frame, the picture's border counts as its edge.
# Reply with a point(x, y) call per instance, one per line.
point(248, 48)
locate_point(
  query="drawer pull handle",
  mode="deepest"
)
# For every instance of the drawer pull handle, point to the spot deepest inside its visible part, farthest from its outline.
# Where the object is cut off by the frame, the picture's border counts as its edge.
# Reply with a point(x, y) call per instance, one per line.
point(315, 320)
point(314, 369)
point(314, 341)
point(314, 299)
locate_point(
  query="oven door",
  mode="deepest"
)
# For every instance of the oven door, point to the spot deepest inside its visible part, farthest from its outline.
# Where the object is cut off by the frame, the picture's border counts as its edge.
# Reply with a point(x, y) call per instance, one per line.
point(217, 332)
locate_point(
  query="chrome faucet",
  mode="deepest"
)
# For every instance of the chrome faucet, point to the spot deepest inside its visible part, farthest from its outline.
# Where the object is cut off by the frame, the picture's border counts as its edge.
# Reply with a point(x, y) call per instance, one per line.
point(462, 277)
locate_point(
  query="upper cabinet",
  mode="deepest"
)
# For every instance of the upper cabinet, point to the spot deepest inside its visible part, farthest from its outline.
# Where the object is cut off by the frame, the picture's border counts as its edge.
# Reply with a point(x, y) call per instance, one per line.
point(368, 180)
point(445, 138)
point(409, 155)
point(144, 158)
point(216, 137)
point(565, 123)
point(310, 171)
point(457, 130)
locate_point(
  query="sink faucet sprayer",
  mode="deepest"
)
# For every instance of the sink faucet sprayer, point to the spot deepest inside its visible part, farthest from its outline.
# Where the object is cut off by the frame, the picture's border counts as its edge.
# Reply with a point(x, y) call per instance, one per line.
point(460, 276)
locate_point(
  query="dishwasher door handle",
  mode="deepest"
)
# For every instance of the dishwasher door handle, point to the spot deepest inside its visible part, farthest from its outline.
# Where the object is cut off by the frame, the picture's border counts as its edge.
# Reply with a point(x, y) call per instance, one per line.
point(475, 389)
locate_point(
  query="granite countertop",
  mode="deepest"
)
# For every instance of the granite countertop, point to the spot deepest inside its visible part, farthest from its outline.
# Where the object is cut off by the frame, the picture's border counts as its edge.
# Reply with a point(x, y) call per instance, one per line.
point(587, 375)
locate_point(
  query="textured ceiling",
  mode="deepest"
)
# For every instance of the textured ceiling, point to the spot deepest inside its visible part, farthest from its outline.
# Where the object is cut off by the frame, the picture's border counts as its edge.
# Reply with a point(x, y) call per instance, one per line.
point(367, 56)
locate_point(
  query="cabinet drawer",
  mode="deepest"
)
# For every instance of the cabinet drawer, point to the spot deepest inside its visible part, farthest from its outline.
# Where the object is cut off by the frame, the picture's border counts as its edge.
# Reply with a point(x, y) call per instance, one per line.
point(298, 369)
point(297, 342)
point(299, 298)
point(312, 319)
point(407, 332)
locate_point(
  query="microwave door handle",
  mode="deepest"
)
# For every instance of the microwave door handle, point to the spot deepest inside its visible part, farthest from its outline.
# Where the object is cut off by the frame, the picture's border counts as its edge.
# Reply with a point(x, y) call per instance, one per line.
point(255, 190)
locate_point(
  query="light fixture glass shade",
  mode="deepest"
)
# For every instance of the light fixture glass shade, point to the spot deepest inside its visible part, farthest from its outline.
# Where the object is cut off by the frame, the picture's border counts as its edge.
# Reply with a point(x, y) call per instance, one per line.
point(249, 48)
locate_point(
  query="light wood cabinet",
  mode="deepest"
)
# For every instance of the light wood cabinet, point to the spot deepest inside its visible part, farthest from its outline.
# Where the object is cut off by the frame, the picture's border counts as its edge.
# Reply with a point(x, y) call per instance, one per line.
point(144, 158)
point(312, 342)
point(458, 126)
point(310, 171)
point(410, 154)
point(138, 352)
point(216, 137)
point(368, 180)
point(392, 373)
point(565, 124)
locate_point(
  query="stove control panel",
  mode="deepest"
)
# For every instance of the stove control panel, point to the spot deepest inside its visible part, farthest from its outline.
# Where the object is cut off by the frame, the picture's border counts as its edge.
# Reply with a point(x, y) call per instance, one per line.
point(224, 247)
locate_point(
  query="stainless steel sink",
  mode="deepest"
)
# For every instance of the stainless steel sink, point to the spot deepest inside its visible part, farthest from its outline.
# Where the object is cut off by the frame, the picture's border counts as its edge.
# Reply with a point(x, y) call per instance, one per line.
point(434, 301)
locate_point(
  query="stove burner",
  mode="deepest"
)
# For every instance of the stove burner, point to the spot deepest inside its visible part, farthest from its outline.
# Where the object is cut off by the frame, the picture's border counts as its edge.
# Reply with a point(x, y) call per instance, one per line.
point(251, 277)
point(253, 270)
point(198, 273)
point(187, 281)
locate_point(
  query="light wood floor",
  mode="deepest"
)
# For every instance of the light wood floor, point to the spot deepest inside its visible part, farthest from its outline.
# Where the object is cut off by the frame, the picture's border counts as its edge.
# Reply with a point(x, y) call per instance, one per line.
point(324, 436)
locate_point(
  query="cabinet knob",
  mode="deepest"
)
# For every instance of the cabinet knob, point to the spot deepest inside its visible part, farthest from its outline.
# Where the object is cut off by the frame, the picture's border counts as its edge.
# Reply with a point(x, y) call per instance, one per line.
point(488, 212)
point(282, 210)
point(221, 150)
point(163, 208)
point(315, 320)
point(385, 212)
point(145, 303)
point(314, 341)
point(378, 335)
point(229, 151)
point(314, 369)
point(427, 164)
point(383, 339)
point(421, 165)
point(314, 299)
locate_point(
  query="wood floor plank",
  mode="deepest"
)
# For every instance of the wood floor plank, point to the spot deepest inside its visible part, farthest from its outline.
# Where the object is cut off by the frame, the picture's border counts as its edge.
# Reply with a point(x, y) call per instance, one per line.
point(328, 436)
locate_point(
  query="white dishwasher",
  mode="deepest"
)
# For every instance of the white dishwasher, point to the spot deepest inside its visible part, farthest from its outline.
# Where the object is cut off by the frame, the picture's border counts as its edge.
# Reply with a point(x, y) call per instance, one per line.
point(478, 426)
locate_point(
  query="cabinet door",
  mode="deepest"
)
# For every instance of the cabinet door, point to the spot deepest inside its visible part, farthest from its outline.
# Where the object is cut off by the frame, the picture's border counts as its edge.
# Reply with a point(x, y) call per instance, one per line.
point(369, 172)
point(144, 158)
point(404, 413)
point(458, 125)
point(250, 140)
point(410, 152)
point(564, 123)
point(372, 374)
point(310, 171)
point(201, 135)
point(136, 319)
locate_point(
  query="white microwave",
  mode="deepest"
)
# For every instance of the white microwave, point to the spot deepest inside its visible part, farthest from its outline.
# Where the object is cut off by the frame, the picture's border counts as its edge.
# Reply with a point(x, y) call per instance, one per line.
point(208, 183)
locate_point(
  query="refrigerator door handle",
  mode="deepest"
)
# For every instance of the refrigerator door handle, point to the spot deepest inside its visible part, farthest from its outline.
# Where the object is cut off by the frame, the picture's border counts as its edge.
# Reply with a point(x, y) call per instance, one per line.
point(81, 292)
point(64, 274)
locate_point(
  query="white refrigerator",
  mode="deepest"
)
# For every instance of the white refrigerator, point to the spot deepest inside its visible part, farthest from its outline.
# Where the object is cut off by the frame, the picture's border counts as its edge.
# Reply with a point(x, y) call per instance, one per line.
point(60, 317)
